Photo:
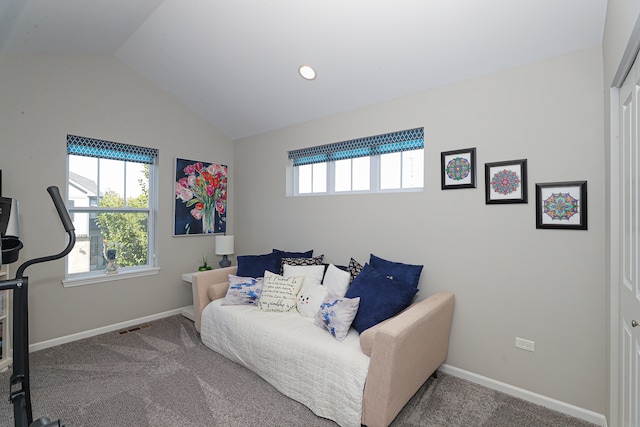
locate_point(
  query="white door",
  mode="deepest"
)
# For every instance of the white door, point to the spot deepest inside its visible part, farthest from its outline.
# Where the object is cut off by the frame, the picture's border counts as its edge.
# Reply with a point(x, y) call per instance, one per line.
point(629, 288)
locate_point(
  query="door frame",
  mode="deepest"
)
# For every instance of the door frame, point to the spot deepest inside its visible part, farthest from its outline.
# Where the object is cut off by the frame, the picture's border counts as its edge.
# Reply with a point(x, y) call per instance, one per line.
point(614, 260)
point(626, 62)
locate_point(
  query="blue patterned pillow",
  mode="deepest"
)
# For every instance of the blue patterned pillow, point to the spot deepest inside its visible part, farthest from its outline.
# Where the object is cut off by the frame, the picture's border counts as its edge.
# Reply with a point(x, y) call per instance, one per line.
point(255, 265)
point(405, 273)
point(380, 297)
point(243, 290)
point(336, 314)
point(300, 261)
point(354, 268)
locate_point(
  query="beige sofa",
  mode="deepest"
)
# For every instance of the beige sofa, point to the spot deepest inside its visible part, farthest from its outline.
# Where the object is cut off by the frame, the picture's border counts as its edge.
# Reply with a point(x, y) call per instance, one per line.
point(404, 350)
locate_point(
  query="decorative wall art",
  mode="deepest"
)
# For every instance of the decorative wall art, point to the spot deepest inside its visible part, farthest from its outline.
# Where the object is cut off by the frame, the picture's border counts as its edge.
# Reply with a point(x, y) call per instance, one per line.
point(562, 205)
point(458, 169)
point(201, 198)
point(506, 182)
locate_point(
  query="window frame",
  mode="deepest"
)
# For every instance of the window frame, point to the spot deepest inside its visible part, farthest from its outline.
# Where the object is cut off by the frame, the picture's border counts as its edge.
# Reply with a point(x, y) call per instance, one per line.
point(150, 268)
point(372, 147)
point(374, 180)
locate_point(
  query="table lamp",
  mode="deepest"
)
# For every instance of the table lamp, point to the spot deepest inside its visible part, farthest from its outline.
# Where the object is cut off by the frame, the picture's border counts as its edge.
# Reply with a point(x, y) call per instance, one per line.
point(224, 247)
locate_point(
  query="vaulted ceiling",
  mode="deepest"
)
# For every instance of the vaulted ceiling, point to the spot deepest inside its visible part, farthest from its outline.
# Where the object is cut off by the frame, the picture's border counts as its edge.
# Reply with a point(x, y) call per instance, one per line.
point(235, 62)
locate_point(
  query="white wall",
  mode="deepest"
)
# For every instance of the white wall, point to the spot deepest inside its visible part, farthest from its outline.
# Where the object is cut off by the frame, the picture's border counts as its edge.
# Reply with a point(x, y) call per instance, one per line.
point(44, 98)
point(509, 278)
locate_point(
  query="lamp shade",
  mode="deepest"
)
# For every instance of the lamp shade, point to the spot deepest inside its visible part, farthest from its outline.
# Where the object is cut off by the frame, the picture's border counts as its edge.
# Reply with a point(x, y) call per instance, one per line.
point(224, 245)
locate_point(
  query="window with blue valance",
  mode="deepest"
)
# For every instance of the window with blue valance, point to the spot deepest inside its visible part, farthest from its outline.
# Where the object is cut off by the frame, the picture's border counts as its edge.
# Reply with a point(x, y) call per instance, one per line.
point(112, 198)
point(411, 139)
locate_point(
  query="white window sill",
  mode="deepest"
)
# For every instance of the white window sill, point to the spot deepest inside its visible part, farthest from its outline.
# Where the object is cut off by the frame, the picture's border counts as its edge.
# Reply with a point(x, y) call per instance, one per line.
point(99, 277)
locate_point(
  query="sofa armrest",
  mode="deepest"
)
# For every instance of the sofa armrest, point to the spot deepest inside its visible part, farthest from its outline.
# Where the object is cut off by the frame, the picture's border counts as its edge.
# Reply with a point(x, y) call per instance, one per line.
point(200, 284)
point(406, 350)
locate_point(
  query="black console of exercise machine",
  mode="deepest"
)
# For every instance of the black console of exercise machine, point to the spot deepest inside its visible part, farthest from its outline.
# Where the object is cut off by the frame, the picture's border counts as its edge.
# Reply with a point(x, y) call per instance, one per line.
point(20, 390)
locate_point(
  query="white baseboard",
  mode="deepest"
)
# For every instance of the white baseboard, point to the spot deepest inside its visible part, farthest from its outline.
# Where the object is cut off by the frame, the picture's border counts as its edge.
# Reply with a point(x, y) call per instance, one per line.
point(103, 330)
point(556, 405)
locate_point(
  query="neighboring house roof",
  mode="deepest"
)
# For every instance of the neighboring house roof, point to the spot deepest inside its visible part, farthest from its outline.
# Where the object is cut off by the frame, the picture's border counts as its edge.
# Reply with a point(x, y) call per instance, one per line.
point(83, 184)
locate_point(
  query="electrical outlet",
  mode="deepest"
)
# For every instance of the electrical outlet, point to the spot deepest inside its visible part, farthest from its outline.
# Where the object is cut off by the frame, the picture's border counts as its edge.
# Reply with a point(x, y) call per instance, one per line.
point(525, 344)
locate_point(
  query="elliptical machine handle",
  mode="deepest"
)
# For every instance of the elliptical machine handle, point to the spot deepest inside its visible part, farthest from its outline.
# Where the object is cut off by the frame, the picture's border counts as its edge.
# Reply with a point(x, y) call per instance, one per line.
point(61, 208)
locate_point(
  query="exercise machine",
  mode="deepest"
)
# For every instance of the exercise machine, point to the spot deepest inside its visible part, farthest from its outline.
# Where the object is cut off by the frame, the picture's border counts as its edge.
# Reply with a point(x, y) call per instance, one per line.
point(10, 245)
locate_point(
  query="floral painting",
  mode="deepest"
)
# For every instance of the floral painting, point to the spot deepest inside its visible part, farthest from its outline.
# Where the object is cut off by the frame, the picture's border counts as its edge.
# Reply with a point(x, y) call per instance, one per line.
point(200, 198)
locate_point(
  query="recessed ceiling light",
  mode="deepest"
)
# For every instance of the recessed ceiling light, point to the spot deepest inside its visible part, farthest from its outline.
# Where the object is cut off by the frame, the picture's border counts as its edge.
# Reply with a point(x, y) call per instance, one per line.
point(307, 72)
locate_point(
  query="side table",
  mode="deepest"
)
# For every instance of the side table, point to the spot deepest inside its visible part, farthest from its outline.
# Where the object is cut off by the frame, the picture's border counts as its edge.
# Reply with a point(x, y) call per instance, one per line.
point(188, 312)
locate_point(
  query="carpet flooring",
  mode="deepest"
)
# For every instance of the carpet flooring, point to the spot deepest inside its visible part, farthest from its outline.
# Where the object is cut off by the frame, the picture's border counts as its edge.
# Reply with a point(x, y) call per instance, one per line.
point(162, 375)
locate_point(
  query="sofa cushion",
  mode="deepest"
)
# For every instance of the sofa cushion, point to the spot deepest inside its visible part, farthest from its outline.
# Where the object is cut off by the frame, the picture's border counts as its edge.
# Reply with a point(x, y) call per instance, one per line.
point(255, 265)
point(309, 298)
point(243, 290)
point(312, 273)
point(405, 273)
point(336, 314)
point(380, 297)
point(217, 291)
point(279, 293)
point(367, 336)
point(336, 280)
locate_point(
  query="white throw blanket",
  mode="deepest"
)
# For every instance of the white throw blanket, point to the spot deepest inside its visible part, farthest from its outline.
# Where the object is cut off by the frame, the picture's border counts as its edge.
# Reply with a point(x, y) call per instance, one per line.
point(301, 360)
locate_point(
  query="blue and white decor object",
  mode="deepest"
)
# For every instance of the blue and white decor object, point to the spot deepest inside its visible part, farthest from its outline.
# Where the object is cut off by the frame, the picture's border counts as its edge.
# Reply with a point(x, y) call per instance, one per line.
point(243, 290)
point(336, 314)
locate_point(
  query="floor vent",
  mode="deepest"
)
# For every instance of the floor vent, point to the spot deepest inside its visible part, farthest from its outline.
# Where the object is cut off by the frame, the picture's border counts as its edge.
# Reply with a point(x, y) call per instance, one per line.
point(135, 328)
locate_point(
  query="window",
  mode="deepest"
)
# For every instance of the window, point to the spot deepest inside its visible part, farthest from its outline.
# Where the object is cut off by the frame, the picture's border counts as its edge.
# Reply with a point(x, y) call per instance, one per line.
point(353, 174)
point(313, 178)
point(389, 162)
point(111, 195)
point(402, 170)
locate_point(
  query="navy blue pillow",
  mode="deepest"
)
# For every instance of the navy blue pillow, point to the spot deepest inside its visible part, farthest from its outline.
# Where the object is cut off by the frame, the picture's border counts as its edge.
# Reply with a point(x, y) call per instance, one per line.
point(255, 265)
point(285, 254)
point(406, 273)
point(380, 297)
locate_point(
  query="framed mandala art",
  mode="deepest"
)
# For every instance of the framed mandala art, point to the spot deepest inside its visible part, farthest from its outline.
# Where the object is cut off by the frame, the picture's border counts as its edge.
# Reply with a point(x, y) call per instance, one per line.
point(562, 205)
point(506, 182)
point(459, 169)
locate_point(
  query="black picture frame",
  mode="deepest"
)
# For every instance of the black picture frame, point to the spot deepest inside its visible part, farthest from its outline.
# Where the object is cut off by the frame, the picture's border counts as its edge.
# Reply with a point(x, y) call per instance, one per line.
point(458, 169)
point(562, 205)
point(196, 210)
point(506, 182)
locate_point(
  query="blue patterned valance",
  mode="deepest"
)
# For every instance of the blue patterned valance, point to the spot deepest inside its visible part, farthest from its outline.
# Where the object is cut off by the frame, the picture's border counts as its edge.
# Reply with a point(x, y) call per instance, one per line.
point(91, 147)
point(411, 139)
